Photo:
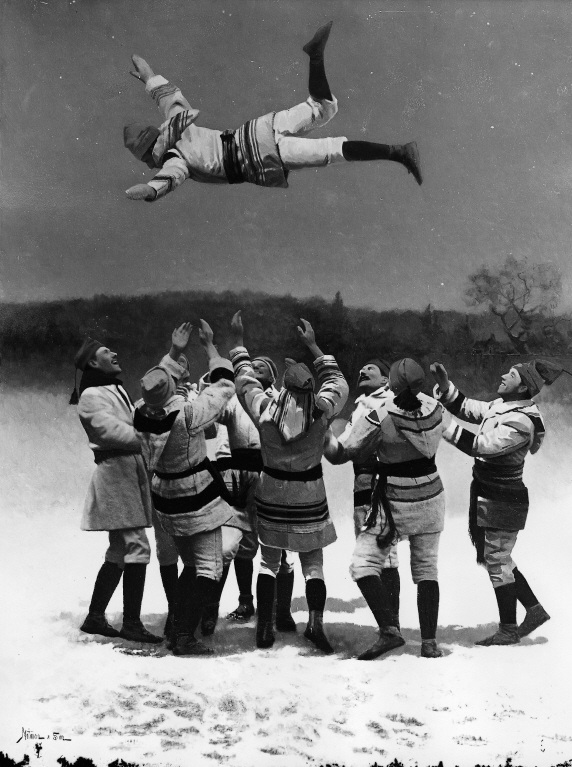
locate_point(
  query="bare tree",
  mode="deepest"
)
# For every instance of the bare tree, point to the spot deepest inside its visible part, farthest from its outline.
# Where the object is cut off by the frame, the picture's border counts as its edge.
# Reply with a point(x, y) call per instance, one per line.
point(519, 294)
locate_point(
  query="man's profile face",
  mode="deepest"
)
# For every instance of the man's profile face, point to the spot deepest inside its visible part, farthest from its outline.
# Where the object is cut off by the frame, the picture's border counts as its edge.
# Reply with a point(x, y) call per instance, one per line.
point(511, 383)
point(371, 378)
point(105, 361)
point(262, 372)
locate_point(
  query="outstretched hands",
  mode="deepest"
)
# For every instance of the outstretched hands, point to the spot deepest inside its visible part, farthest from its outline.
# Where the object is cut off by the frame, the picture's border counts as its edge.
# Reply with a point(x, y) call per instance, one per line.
point(439, 373)
point(307, 336)
point(180, 337)
point(141, 192)
point(142, 71)
point(237, 329)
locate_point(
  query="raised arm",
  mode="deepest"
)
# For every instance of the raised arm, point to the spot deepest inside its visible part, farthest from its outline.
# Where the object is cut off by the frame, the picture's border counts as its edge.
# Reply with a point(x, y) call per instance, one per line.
point(470, 410)
point(334, 390)
point(513, 431)
point(249, 390)
point(168, 97)
point(205, 410)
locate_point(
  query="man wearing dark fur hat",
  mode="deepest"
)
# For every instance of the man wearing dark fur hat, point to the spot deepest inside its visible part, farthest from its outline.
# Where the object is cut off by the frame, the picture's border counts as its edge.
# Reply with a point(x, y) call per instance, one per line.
point(263, 151)
point(118, 499)
point(509, 428)
point(373, 383)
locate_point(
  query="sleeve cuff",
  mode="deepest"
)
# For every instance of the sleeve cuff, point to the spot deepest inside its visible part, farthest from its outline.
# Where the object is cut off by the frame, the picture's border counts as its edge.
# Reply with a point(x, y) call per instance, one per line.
point(220, 367)
point(155, 82)
point(172, 367)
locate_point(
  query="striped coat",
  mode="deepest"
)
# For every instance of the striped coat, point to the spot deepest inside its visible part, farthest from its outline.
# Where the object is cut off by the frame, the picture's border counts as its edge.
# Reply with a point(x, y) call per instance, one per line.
point(292, 514)
point(185, 496)
point(184, 150)
point(398, 437)
point(508, 431)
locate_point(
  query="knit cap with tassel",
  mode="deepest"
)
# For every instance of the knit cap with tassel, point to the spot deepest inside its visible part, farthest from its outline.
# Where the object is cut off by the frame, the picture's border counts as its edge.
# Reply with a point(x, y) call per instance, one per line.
point(86, 352)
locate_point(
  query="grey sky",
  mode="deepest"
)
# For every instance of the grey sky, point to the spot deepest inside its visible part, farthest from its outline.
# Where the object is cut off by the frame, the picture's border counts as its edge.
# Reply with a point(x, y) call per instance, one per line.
point(485, 89)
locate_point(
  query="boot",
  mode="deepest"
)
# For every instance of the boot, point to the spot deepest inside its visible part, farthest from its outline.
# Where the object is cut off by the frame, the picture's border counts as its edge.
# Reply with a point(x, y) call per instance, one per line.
point(97, 624)
point(534, 618)
point(284, 588)
point(506, 634)
point(366, 151)
point(390, 578)
point(181, 613)
point(316, 46)
point(428, 610)
point(133, 587)
point(265, 590)
point(169, 628)
point(210, 613)
point(186, 644)
point(106, 582)
point(408, 156)
point(429, 649)
point(315, 632)
point(389, 638)
point(244, 611)
point(209, 619)
point(169, 578)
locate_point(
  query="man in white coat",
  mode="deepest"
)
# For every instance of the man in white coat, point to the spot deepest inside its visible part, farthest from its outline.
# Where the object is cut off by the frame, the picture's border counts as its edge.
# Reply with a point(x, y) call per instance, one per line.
point(118, 499)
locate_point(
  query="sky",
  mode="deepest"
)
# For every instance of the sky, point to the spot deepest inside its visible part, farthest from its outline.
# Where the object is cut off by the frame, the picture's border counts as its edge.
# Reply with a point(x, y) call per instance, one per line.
point(485, 88)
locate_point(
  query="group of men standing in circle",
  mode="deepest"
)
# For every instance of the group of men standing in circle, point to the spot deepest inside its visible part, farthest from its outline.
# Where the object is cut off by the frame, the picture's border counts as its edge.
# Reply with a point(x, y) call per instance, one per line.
point(214, 495)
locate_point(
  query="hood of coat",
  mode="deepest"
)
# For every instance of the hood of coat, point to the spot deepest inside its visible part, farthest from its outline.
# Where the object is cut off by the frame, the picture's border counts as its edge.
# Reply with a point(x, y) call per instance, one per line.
point(423, 427)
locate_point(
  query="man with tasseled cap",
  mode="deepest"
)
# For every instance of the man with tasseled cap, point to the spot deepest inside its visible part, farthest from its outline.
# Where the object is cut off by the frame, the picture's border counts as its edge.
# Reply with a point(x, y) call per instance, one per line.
point(118, 499)
point(373, 384)
point(408, 501)
point(509, 428)
point(239, 460)
point(188, 493)
point(290, 497)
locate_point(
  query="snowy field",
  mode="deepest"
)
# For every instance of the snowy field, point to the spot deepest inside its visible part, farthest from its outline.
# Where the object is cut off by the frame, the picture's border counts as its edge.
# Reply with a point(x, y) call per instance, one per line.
point(290, 705)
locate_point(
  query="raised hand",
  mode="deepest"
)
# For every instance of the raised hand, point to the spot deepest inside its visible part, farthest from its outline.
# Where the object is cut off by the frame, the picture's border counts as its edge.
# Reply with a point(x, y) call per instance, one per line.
point(439, 373)
point(237, 329)
point(206, 334)
point(180, 337)
point(308, 336)
point(142, 71)
point(307, 333)
point(141, 192)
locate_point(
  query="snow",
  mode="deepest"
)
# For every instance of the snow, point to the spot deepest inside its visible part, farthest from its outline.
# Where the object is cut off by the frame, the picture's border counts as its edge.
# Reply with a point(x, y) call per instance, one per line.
point(289, 705)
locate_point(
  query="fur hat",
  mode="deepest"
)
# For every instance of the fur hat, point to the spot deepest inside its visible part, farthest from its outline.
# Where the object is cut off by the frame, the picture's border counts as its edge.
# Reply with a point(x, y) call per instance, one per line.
point(138, 138)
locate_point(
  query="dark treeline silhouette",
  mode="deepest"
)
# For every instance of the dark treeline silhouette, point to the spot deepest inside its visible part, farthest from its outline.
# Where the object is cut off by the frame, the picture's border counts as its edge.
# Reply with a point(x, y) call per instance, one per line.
point(44, 336)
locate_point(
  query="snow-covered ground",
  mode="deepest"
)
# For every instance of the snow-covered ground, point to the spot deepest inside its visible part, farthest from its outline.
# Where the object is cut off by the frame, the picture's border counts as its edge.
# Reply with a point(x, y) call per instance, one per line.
point(289, 705)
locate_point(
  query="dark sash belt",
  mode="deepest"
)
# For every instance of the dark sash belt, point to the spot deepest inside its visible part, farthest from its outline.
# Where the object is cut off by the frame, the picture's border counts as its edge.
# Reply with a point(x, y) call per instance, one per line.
point(242, 459)
point(187, 503)
point(230, 161)
point(202, 466)
point(295, 476)
point(417, 468)
point(102, 455)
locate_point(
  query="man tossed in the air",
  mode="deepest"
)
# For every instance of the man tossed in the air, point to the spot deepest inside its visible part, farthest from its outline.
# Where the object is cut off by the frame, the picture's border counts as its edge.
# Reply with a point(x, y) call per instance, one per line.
point(262, 151)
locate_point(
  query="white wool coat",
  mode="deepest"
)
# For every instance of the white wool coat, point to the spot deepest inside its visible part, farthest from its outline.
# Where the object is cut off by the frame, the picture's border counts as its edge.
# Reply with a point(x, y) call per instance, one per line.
point(118, 495)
